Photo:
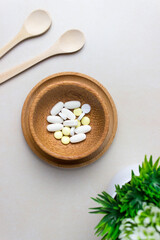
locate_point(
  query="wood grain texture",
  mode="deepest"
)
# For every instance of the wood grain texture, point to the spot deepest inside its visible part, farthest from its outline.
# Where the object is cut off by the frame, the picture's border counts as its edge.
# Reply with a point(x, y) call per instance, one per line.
point(65, 87)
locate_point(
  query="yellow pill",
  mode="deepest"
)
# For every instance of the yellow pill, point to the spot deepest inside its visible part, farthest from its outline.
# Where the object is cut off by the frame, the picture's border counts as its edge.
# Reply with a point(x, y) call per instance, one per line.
point(65, 140)
point(58, 134)
point(85, 120)
point(77, 111)
point(66, 131)
point(79, 124)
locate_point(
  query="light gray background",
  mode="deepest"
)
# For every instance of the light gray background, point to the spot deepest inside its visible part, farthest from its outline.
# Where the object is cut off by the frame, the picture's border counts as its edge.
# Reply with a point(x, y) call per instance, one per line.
point(122, 51)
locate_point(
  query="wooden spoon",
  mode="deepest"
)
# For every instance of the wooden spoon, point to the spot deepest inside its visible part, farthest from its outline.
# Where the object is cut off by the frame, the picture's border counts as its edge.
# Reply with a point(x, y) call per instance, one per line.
point(37, 23)
point(71, 41)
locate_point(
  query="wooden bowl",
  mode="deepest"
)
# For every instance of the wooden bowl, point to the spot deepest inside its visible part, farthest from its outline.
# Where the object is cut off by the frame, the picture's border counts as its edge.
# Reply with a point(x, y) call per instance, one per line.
point(65, 87)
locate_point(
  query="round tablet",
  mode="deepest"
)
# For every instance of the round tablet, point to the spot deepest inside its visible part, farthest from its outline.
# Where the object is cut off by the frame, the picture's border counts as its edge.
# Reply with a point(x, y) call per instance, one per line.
point(86, 108)
point(66, 131)
point(65, 140)
point(58, 134)
point(77, 112)
point(79, 124)
point(85, 120)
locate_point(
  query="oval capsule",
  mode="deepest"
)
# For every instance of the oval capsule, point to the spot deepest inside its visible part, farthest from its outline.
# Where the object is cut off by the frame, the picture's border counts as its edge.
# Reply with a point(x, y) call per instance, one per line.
point(72, 104)
point(70, 123)
point(54, 127)
point(78, 138)
point(57, 108)
point(54, 119)
point(62, 116)
point(72, 131)
point(83, 129)
point(68, 113)
point(81, 116)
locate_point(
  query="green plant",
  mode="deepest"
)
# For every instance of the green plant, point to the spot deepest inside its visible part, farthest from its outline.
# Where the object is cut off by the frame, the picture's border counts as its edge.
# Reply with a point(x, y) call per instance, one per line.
point(145, 225)
point(129, 199)
point(148, 181)
point(109, 225)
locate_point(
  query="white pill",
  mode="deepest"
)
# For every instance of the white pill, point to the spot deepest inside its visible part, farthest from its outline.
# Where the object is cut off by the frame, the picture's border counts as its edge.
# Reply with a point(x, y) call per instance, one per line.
point(70, 123)
point(54, 119)
point(78, 138)
point(68, 113)
point(83, 129)
point(72, 104)
point(72, 131)
point(54, 127)
point(62, 116)
point(57, 108)
point(86, 108)
point(81, 116)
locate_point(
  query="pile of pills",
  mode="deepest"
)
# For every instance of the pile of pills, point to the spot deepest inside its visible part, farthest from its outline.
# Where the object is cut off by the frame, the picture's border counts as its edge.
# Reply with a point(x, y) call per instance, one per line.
point(68, 121)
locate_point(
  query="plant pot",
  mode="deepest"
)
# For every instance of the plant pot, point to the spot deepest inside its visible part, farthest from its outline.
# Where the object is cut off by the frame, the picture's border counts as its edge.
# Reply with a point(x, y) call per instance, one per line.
point(122, 177)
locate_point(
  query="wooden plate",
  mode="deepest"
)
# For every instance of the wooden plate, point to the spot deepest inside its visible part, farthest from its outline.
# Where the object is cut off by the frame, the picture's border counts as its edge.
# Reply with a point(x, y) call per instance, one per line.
point(64, 87)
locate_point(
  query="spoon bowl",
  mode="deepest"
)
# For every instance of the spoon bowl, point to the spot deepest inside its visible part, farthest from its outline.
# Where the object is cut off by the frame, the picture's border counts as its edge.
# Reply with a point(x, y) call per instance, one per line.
point(72, 41)
point(37, 23)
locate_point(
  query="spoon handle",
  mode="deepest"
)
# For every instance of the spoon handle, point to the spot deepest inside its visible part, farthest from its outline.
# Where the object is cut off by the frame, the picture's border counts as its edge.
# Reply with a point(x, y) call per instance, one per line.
point(17, 39)
point(22, 67)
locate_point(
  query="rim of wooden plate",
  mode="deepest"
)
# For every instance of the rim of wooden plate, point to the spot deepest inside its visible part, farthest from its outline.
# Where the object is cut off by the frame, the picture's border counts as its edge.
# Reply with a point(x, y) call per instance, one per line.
point(84, 154)
point(56, 159)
